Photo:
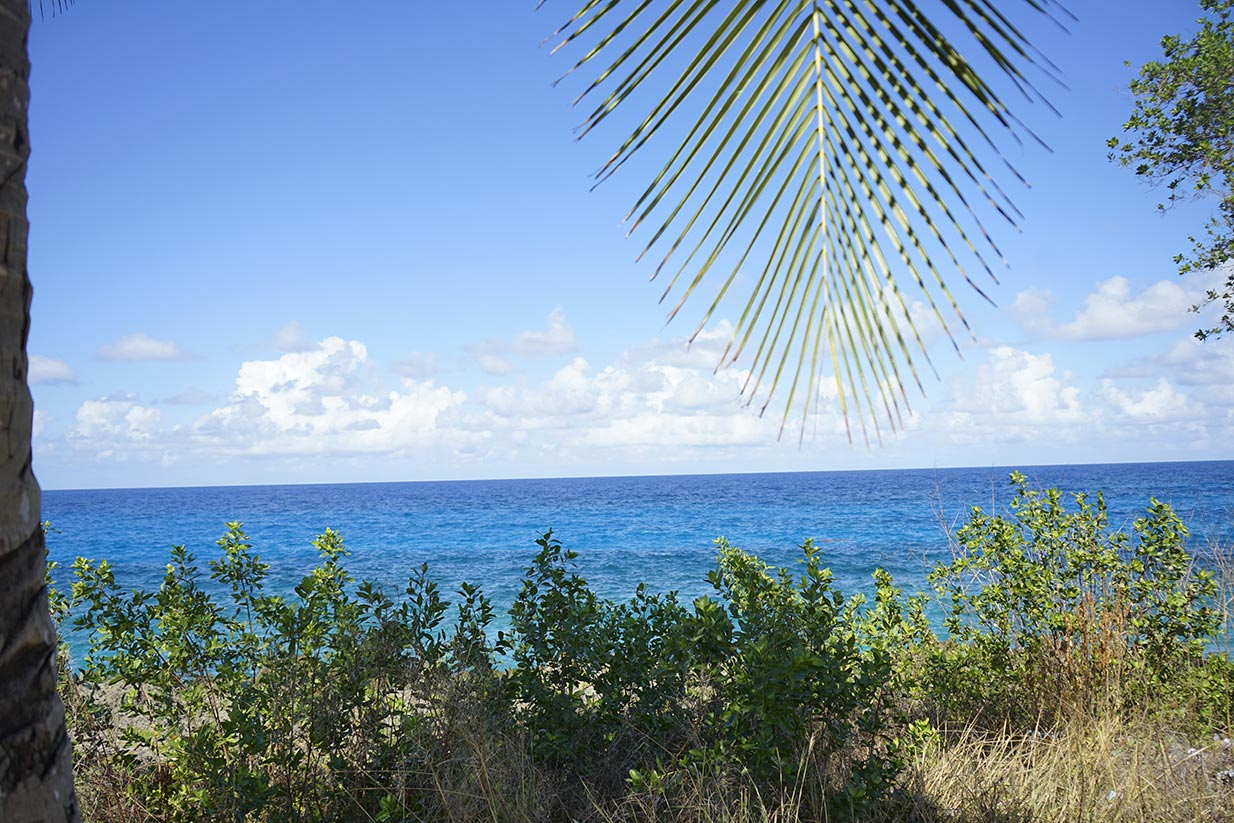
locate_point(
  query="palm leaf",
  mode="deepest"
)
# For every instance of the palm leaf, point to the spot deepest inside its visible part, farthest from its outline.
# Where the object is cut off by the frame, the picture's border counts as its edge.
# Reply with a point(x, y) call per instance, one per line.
point(53, 7)
point(827, 150)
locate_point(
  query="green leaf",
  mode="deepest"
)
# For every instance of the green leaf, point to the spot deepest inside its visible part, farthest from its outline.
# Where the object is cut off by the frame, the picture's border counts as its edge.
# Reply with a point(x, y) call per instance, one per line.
point(821, 151)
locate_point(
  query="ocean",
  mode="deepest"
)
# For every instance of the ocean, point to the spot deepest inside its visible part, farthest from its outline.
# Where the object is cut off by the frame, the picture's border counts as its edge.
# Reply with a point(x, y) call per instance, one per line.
point(627, 530)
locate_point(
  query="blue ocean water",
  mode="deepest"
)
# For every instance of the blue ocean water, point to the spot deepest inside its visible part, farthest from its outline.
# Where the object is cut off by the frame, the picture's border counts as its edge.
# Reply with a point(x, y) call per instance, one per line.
point(658, 530)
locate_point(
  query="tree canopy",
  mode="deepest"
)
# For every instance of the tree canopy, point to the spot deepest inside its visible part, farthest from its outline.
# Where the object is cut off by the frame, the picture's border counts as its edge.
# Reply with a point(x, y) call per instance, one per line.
point(1181, 135)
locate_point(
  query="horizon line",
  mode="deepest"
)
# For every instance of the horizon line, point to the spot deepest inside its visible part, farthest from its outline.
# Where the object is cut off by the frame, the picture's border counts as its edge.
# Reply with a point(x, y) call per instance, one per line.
point(1010, 466)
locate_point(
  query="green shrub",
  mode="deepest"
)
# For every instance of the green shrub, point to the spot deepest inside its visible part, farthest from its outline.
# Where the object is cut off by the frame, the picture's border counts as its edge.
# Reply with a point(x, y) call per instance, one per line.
point(214, 698)
point(792, 673)
point(1051, 607)
point(296, 707)
point(596, 684)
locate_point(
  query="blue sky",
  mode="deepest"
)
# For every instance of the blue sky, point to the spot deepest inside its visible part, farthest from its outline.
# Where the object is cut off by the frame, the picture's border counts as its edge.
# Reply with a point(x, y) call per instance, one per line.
point(287, 242)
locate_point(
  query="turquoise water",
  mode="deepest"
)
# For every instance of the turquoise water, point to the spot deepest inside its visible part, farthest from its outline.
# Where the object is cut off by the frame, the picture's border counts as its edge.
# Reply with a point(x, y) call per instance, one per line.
point(657, 530)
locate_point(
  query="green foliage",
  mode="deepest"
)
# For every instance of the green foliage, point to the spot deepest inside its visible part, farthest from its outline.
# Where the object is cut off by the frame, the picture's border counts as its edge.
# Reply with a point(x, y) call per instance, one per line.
point(557, 644)
point(212, 698)
point(1050, 607)
point(1182, 131)
point(792, 672)
point(288, 706)
point(832, 152)
point(774, 671)
point(57, 602)
point(586, 671)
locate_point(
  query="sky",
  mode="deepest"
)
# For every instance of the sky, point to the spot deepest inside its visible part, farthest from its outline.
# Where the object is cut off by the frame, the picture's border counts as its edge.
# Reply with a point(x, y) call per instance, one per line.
point(308, 243)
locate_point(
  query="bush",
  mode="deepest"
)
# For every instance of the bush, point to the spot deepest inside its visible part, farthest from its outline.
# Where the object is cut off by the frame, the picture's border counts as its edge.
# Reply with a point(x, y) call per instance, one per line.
point(796, 678)
point(298, 707)
point(772, 674)
point(214, 698)
point(338, 701)
point(597, 685)
point(1050, 610)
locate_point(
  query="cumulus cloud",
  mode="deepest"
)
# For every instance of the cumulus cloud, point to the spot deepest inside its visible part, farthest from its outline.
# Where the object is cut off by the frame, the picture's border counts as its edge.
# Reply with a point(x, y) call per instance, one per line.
point(557, 338)
point(322, 401)
point(495, 355)
point(1031, 309)
point(658, 404)
point(666, 393)
point(142, 347)
point(1111, 312)
point(50, 371)
point(704, 352)
point(493, 365)
point(291, 337)
point(1202, 373)
point(1016, 394)
point(1161, 402)
point(1019, 383)
point(648, 430)
point(1172, 405)
point(569, 392)
point(662, 395)
point(915, 319)
point(108, 420)
point(1188, 362)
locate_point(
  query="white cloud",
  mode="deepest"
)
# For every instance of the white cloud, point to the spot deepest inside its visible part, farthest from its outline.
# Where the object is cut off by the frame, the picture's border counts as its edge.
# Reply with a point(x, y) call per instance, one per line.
point(703, 386)
point(914, 319)
point(291, 337)
point(1015, 394)
point(662, 396)
point(1188, 362)
point(568, 392)
point(39, 424)
point(50, 371)
point(140, 347)
point(1111, 312)
point(703, 352)
point(142, 422)
point(1020, 384)
point(493, 364)
point(557, 338)
point(652, 430)
point(1031, 309)
point(495, 354)
point(110, 420)
point(1158, 403)
point(321, 401)
point(1023, 406)
point(655, 407)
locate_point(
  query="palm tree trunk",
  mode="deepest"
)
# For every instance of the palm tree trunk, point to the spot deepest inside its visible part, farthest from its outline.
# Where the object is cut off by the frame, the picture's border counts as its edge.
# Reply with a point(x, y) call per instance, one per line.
point(36, 778)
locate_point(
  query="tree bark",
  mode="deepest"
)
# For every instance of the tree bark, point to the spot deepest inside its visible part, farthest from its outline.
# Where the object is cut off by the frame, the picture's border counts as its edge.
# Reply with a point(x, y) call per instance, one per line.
point(36, 778)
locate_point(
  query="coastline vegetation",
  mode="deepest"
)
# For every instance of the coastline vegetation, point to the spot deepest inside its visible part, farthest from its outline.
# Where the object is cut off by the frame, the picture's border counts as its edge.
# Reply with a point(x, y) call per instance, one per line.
point(1059, 669)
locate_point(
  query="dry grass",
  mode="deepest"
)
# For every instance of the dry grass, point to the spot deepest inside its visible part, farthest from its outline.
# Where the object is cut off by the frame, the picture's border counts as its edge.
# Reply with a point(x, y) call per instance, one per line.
point(1103, 771)
point(1096, 769)
point(1100, 772)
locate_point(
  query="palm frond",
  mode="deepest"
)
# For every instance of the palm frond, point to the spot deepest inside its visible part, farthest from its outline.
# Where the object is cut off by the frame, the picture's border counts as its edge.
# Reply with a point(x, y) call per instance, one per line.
point(826, 150)
point(54, 7)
